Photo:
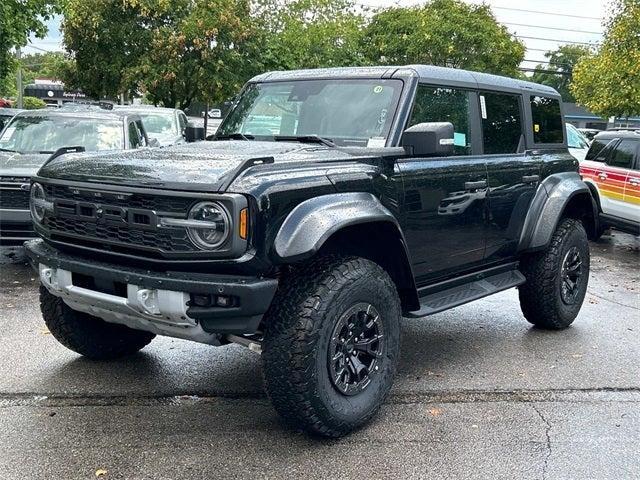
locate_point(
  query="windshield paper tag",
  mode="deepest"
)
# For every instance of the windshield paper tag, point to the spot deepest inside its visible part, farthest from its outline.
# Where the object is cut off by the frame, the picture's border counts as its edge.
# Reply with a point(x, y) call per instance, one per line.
point(376, 142)
point(446, 141)
point(459, 139)
point(483, 107)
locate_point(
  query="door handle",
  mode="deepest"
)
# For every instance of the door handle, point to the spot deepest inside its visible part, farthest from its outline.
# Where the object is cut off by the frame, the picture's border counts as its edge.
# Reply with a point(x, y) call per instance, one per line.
point(475, 185)
point(602, 176)
point(634, 181)
point(530, 178)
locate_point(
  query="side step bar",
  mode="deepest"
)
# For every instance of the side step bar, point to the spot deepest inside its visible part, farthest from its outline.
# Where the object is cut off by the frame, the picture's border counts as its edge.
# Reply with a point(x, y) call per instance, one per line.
point(467, 292)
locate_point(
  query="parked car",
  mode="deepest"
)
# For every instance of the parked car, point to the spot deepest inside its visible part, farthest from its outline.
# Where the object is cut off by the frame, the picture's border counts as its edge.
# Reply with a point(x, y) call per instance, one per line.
point(612, 171)
point(577, 143)
point(7, 114)
point(166, 125)
point(308, 244)
point(589, 133)
point(33, 136)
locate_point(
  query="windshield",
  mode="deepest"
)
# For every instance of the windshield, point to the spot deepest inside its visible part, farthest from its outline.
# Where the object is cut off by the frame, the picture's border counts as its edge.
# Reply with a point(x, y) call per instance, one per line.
point(160, 123)
point(574, 138)
point(48, 133)
point(347, 112)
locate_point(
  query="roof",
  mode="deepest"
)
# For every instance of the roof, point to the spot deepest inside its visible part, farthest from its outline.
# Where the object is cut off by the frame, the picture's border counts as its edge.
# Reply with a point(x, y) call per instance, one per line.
point(610, 134)
point(74, 113)
point(574, 110)
point(144, 109)
point(10, 111)
point(427, 73)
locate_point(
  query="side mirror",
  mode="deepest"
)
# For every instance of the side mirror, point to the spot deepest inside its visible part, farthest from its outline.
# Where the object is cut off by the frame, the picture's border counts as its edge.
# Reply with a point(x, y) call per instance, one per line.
point(428, 139)
point(193, 133)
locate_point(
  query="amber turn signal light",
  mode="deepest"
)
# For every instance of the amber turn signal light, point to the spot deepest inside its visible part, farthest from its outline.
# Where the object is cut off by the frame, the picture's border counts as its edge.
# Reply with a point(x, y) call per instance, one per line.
point(244, 223)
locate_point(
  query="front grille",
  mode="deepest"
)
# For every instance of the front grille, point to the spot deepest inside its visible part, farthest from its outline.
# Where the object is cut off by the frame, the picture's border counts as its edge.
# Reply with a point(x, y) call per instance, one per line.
point(13, 193)
point(140, 238)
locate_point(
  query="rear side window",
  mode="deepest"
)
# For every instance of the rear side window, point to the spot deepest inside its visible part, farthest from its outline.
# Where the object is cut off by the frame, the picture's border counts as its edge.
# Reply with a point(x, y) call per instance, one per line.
point(596, 147)
point(547, 120)
point(501, 123)
point(440, 104)
point(624, 154)
point(136, 139)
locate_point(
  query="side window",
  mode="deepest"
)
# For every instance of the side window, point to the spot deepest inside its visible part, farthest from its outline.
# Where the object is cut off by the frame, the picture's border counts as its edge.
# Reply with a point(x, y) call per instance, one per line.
point(605, 152)
point(441, 104)
point(182, 122)
point(501, 122)
point(136, 140)
point(547, 120)
point(624, 154)
point(596, 147)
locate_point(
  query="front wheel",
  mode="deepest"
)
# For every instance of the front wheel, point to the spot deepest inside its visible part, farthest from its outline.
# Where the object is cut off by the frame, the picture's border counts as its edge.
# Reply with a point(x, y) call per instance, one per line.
point(557, 278)
point(331, 344)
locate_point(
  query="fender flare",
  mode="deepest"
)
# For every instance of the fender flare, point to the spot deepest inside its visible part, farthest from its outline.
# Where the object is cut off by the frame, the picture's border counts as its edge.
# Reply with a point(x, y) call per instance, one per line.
point(546, 209)
point(312, 222)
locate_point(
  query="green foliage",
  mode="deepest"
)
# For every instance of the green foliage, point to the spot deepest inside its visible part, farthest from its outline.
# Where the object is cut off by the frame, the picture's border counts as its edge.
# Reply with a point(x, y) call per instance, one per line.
point(448, 33)
point(608, 82)
point(33, 103)
point(19, 19)
point(562, 61)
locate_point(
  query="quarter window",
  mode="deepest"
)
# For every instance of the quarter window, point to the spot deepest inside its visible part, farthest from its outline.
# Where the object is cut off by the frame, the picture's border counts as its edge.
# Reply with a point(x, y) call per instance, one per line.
point(136, 139)
point(547, 120)
point(623, 155)
point(501, 123)
point(440, 104)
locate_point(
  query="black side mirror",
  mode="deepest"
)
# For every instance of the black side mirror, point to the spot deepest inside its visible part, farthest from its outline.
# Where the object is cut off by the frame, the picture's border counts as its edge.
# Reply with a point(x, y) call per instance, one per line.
point(193, 133)
point(428, 139)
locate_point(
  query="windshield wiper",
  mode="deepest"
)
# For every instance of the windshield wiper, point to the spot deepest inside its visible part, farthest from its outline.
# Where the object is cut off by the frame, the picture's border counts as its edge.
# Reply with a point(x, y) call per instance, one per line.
point(8, 150)
point(304, 138)
point(235, 136)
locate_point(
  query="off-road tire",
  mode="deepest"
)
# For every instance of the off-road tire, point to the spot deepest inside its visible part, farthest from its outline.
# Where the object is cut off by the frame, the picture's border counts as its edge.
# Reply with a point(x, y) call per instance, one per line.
point(297, 336)
point(541, 297)
point(88, 335)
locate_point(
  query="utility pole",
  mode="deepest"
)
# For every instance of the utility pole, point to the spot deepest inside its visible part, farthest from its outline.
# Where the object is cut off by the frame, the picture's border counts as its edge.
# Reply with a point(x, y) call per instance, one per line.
point(19, 78)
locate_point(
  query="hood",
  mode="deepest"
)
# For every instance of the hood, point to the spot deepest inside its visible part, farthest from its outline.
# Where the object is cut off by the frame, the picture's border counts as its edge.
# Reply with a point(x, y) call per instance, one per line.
point(13, 164)
point(191, 166)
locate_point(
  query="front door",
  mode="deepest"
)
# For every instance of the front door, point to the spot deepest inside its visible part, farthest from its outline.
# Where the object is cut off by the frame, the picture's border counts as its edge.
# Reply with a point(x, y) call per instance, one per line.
point(445, 199)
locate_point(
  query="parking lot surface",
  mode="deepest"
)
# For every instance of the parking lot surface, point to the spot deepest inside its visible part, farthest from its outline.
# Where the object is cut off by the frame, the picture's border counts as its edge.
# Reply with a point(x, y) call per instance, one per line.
point(479, 394)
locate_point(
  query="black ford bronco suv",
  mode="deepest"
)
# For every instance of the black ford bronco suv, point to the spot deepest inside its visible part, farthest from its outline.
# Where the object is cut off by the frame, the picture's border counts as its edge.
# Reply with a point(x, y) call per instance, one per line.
point(329, 204)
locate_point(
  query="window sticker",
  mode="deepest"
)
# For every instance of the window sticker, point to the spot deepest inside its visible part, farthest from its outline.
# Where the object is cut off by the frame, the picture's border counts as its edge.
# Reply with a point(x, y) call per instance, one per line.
point(483, 107)
point(459, 139)
point(376, 142)
point(378, 89)
point(536, 127)
point(447, 141)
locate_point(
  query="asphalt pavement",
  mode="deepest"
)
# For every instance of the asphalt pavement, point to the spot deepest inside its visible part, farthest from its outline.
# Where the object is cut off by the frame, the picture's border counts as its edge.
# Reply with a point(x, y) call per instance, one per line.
point(479, 394)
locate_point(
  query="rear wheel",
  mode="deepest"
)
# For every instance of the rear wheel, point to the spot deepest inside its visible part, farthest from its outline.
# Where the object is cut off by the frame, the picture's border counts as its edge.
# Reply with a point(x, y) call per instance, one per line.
point(87, 335)
point(557, 278)
point(331, 344)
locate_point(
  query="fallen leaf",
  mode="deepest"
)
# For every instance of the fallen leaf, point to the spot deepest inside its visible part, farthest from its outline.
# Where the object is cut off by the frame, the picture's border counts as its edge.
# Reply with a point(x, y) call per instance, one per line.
point(45, 332)
point(435, 411)
point(101, 472)
point(577, 355)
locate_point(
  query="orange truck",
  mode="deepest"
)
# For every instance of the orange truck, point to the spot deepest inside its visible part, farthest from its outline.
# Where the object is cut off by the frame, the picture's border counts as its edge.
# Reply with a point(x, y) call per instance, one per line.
point(611, 169)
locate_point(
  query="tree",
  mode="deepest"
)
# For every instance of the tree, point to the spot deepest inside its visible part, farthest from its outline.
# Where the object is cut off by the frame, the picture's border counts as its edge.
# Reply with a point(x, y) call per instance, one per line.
point(448, 33)
point(18, 20)
point(608, 82)
point(559, 71)
point(310, 34)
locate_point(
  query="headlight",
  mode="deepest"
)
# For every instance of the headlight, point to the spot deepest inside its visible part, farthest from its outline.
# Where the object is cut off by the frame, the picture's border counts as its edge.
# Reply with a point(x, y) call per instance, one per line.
point(209, 226)
point(38, 203)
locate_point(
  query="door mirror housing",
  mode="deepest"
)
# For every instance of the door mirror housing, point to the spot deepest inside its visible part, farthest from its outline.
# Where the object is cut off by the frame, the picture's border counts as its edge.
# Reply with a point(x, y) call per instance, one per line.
point(428, 139)
point(193, 133)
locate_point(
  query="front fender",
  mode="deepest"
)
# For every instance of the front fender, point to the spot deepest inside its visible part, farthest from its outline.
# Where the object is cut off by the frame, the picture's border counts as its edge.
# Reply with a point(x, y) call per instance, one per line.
point(551, 200)
point(311, 223)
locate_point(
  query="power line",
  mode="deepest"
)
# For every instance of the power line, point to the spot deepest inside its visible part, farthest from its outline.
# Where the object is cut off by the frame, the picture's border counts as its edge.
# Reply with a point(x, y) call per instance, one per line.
point(546, 13)
point(550, 28)
point(555, 40)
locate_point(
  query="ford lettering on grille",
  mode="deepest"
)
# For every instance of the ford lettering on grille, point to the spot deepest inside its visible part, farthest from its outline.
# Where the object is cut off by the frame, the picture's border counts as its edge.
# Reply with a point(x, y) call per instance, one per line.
point(106, 214)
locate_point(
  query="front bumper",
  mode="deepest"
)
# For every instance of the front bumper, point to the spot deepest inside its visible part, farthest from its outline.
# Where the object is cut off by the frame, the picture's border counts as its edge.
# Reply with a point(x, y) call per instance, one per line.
point(15, 226)
point(158, 302)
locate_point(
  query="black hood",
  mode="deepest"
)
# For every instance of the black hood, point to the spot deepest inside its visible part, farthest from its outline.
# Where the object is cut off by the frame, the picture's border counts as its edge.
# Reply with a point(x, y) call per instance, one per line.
point(14, 164)
point(193, 166)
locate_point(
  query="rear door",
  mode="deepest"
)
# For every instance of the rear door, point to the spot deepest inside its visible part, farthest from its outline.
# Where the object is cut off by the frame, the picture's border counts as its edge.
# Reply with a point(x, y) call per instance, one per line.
point(445, 198)
point(616, 176)
point(632, 189)
point(513, 175)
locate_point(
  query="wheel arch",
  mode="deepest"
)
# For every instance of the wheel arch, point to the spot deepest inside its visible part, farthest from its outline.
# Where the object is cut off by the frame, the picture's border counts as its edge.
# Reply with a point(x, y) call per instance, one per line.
point(561, 195)
point(349, 224)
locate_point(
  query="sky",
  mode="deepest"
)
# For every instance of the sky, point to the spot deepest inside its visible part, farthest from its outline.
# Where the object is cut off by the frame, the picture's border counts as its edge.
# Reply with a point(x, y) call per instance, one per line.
point(565, 21)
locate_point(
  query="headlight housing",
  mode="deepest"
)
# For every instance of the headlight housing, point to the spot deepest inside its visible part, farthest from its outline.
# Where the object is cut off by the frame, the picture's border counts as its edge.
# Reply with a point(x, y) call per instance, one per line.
point(210, 225)
point(38, 203)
